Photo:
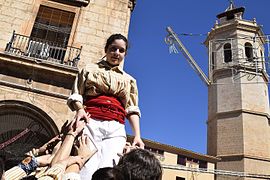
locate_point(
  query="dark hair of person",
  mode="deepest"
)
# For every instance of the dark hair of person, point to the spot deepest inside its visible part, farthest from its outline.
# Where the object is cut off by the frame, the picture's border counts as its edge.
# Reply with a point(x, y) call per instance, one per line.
point(140, 164)
point(112, 38)
point(108, 173)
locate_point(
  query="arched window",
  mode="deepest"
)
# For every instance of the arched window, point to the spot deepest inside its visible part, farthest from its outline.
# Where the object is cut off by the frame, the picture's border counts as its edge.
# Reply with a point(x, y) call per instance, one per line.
point(249, 51)
point(22, 127)
point(227, 53)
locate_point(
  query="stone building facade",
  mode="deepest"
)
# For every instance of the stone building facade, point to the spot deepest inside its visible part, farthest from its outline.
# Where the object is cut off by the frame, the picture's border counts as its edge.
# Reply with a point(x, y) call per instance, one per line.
point(43, 43)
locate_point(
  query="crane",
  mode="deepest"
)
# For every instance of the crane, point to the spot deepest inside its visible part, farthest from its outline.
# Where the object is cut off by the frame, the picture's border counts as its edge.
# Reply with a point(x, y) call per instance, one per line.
point(172, 40)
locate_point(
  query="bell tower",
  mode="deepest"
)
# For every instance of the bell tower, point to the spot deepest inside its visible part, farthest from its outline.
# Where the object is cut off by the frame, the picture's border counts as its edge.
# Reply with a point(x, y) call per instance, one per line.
point(238, 102)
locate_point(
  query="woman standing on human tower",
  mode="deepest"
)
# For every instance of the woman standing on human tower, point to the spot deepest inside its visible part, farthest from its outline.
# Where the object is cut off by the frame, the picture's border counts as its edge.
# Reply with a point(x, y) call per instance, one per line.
point(104, 95)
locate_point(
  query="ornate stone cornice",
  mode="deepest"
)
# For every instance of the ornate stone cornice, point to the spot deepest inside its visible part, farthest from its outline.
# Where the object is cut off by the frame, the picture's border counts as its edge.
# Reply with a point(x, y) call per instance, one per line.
point(236, 113)
point(77, 3)
point(131, 4)
point(234, 157)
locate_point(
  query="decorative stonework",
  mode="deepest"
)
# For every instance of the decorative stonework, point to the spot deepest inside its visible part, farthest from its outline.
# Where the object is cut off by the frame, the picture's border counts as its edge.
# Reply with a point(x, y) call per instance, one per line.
point(131, 4)
point(78, 3)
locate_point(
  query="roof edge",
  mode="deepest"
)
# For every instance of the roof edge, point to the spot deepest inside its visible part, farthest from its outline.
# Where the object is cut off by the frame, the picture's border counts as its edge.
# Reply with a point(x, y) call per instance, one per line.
point(176, 150)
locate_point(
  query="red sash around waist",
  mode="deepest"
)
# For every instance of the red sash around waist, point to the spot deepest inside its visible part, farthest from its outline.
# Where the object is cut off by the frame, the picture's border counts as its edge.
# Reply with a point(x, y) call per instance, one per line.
point(105, 108)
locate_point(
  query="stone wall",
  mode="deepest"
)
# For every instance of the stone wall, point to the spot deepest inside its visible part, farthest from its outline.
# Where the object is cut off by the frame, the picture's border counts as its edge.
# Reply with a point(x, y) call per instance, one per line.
point(92, 24)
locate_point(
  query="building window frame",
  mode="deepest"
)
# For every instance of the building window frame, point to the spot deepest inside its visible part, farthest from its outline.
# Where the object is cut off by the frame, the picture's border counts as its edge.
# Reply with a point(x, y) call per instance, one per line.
point(59, 6)
point(227, 52)
point(179, 178)
point(181, 160)
point(203, 164)
point(53, 26)
point(51, 52)
point(213, 60)
point(249, 51)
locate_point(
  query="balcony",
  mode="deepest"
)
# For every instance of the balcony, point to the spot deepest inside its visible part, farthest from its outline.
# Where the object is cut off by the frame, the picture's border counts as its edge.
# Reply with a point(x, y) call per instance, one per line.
point(43, 51)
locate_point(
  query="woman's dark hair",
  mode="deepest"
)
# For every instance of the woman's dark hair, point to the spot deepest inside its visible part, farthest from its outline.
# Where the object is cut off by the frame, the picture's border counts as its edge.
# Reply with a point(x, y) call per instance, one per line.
point(113, 38)
point(108, 173)
point(140, 164)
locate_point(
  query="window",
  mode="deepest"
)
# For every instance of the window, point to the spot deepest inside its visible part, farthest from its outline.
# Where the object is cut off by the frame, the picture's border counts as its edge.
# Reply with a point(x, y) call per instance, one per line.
point(181, 160)
point(249, 51)
point(154, 150)
point(193, 160)
point(180, 178)
point(227, 53)
point(202, 164)
point(53, 25)
point(230, 16)
point(262, 59)
point(213, 60)
point(50, 33)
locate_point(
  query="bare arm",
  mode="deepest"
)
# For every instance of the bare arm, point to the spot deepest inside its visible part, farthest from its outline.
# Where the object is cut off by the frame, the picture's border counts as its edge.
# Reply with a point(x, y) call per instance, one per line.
point(65, 149)
point(80, 113)
point(84, 152)
point(75, 100)
point(134, 121)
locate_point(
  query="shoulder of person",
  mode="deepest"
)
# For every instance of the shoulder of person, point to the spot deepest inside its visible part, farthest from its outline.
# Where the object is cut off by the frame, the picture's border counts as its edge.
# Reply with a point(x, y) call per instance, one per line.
point(129, 76)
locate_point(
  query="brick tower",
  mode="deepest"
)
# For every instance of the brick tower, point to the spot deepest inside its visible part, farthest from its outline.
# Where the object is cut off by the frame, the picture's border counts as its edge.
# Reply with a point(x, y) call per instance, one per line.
point(238, 105)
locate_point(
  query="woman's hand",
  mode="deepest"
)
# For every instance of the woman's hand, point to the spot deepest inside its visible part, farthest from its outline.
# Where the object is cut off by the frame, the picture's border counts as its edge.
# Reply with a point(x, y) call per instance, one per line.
point(76, 127)
point(137, 141)
point(82, 115)
point(134, 121)
point(83, 149)
point(79, 121)
point(44, 148)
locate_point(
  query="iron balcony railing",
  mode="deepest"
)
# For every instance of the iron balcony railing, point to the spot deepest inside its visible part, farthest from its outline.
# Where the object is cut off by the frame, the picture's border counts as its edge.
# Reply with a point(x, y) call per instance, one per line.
point(43, 50)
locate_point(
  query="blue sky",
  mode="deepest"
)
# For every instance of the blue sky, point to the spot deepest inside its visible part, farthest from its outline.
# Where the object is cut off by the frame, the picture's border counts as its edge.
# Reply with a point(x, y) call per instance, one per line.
point(172, 97)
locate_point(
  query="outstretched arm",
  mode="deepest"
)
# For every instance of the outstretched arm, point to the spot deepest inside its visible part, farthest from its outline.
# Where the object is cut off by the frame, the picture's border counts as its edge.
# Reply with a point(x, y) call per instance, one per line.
point(84, 152)
point(65, 149)
point(75, 100)
point(134, 121)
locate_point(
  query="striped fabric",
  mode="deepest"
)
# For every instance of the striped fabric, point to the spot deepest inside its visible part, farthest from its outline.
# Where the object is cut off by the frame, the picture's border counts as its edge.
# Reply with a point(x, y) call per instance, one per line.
point(53, 173)
point(15, 173)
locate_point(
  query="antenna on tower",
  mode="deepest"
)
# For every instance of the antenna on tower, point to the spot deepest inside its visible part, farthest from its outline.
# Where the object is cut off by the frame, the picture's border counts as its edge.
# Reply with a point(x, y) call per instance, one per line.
point(172, 40)
point(231, 6)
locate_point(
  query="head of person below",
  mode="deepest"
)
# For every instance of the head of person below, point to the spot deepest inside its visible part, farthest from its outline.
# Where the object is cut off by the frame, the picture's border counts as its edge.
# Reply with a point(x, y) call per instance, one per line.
point(140, 164)
point(108, 173)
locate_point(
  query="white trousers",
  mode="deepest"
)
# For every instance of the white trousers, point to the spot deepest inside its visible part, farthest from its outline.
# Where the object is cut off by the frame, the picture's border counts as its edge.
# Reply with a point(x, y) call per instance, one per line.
point(110, 139)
